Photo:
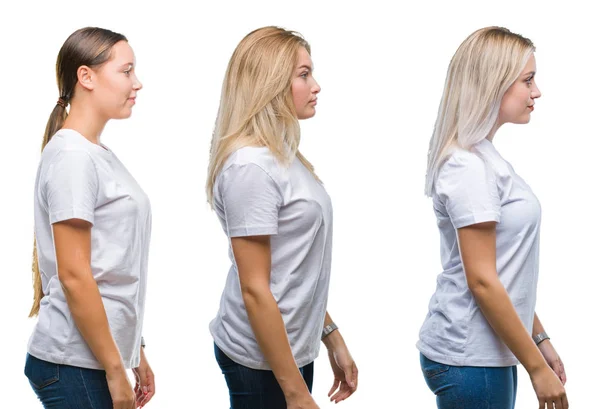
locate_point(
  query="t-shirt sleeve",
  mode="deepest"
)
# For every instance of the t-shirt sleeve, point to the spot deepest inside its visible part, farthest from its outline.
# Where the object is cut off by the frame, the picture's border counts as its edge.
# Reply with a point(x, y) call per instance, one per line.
point(71, 187)
point(251, 200)
point(467, 188)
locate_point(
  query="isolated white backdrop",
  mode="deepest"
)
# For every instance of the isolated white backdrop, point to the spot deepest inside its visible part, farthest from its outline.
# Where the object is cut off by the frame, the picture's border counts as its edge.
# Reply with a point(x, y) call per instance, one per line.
point(381, 67)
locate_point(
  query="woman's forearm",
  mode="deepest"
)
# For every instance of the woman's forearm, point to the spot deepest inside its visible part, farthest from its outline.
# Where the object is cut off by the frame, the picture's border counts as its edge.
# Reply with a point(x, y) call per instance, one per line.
point(334, 339)
point(494, 302)
point(269, 329)
point(537, 326)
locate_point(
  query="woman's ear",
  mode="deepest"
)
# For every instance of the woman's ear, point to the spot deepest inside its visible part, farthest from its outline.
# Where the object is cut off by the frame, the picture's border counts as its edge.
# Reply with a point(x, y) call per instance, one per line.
point(85, 77)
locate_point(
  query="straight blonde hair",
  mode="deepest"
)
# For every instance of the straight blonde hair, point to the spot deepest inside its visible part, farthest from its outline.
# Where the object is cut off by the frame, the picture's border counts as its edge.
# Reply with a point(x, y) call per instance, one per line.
point(485, 65)
point(257, 108)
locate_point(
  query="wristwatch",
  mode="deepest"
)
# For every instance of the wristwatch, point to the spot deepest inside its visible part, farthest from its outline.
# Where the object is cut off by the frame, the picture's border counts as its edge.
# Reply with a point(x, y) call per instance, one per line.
point(542, 336)
point(328, 329)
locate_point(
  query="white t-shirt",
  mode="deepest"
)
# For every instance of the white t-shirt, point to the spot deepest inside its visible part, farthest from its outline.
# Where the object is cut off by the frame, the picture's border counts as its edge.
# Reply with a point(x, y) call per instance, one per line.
point(254, 195)
point(475, 187)
point(79, 179)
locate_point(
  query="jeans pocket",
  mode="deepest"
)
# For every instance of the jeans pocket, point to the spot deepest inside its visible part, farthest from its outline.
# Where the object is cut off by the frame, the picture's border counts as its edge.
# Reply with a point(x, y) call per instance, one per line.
point(431, 368)
point(430, 372)
point(40, 373)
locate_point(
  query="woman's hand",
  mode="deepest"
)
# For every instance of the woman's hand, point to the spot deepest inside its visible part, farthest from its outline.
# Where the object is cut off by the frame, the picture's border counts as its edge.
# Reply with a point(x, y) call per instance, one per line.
point(144, 385)
point(549, 389)
point(120, 389)
point(552, 358)
point(345, 373)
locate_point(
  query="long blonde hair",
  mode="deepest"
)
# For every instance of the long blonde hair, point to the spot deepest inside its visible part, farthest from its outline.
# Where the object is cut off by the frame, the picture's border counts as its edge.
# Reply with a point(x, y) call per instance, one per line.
point(89, 46)
point(257, 108)
point(485, 65)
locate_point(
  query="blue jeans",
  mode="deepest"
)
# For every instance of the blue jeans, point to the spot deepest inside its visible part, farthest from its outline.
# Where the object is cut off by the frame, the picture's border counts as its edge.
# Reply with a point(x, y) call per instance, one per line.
point(471, 387)
point(67, 387)
point(254, 388)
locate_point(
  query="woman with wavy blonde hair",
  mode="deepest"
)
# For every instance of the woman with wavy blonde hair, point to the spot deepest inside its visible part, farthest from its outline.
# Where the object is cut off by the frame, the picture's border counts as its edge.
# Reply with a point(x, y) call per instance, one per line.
point(278, 218)
point(481, 319)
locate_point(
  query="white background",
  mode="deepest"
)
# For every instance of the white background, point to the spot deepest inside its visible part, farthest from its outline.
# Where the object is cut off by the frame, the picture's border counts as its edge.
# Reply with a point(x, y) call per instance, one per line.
point(381, 67)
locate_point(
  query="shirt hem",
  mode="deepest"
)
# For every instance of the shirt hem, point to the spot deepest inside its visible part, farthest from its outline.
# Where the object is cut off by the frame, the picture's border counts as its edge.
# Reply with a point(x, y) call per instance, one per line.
point(490, 216)
point(262, 365)
point(61, 359)
point(252, 231)
point(447, 359)
point(63, 215)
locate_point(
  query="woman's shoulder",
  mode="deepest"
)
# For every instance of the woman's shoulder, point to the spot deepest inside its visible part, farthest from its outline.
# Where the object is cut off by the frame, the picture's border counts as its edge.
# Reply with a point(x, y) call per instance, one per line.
point(461, 160)
point(66, 143)
point(464, 171)
point(257, 156)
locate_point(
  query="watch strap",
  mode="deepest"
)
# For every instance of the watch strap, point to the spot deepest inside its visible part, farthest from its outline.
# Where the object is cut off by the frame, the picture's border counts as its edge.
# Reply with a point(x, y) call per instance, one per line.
point(328, 329)
point(542, 336)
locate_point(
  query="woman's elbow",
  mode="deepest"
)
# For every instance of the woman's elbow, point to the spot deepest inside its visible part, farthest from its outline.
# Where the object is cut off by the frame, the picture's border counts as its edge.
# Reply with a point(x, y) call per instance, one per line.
point(481, 286)
point(255, 293)
point(72, 279)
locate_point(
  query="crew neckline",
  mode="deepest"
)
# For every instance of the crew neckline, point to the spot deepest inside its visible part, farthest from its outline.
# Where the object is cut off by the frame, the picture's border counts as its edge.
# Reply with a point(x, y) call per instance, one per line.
point(100, 147)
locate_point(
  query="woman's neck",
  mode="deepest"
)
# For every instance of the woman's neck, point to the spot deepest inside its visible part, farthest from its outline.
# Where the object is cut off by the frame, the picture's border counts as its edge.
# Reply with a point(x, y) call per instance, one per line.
point(492, 133)
point(86, 123)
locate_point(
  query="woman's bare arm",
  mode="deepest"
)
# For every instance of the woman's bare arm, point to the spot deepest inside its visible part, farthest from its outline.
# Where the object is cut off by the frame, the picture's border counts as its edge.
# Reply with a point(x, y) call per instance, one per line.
point(253, 258)
point(72, 239)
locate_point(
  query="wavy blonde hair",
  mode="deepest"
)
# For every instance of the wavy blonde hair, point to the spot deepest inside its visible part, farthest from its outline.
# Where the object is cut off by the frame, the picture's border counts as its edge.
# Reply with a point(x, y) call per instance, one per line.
point(485, 65)
point(257, 108)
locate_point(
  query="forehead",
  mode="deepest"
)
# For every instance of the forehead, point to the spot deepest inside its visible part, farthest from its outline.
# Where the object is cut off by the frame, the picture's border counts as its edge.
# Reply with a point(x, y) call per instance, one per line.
point(121, 53)
point(304, 58)
point(530, 65)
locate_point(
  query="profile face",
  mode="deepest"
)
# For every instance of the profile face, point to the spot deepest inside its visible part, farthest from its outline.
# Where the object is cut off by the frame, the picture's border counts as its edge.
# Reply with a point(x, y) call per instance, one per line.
point(517, 103)
point(304, 86)
point(116, 84)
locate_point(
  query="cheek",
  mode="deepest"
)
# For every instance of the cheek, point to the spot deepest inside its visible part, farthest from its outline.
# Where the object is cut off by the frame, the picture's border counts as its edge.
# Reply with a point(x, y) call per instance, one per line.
point(108, 89)
point(119, 85)
point(298, 94)
point(522, 97)
point(114, 98)
point(512, 104)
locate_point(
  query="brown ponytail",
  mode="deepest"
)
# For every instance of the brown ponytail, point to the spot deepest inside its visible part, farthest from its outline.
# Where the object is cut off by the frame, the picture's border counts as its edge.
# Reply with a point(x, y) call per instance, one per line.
point(55, 122)
point(90, 46)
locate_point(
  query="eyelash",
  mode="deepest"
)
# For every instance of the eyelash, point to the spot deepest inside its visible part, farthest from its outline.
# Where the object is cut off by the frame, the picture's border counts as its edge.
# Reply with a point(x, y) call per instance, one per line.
point(529, 80)
point(304, 75)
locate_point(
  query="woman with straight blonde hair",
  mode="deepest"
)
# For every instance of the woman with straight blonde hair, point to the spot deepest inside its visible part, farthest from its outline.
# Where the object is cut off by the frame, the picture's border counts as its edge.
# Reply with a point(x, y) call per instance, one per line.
point(92, 234)
point(278, 218)
point(481, 319)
